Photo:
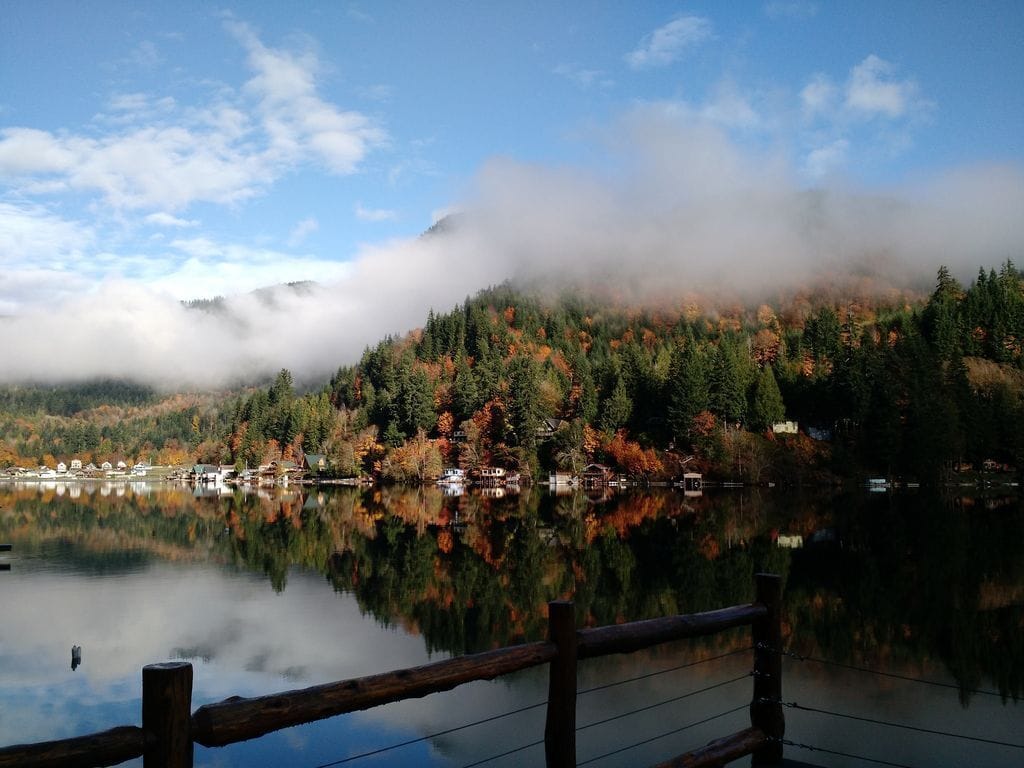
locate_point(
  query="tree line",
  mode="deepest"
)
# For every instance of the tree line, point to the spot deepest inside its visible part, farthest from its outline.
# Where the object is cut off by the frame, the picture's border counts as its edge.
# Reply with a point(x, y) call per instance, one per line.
point(891, 385)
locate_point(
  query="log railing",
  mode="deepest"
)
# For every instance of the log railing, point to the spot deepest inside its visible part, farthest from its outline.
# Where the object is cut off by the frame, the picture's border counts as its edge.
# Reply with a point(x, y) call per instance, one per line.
point(169, 729)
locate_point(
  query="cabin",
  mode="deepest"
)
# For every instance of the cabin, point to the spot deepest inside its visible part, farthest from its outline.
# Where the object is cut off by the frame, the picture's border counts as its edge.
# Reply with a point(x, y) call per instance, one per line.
point(106, 466)
point(452, 476)
point(491, 476)
point(548, 427)
point(62, 468)
point(785, 428)
point(563, 479)
point(594, 475)
point(206, 473)
point(315, 462)
point(693, 481)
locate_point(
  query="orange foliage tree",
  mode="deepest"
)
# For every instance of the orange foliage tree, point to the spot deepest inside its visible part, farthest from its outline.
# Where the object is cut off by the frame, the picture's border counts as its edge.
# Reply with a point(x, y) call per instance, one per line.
point(631, 457)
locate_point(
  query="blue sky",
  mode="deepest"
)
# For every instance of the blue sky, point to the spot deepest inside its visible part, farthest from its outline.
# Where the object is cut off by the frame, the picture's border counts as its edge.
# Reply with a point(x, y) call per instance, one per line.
point(197, 149)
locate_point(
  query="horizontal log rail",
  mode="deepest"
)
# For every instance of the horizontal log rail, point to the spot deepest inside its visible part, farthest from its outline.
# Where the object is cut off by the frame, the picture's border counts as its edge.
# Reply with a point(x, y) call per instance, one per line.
point(168, 733)
point(234, 720)
point(637, 635)
point(720, 751)
point(98, 749)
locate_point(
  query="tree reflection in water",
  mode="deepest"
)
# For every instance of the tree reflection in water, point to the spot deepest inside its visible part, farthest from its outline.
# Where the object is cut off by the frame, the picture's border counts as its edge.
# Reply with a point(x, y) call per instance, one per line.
point(918, 579)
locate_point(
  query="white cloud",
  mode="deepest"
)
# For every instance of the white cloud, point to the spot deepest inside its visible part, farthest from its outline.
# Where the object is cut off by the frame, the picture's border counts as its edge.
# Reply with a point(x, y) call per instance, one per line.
point(871, 91)
point(822, 160)
point(42, 256)
point(374, 214)
point(583, 77)
point(162, 219)
point(439, 213)
point(731, 108)
point(686, 209)
point(157, 155)
point(295, 117)
point(301, 230)
point(818, 97)
point(665, 44)
point(31, 233)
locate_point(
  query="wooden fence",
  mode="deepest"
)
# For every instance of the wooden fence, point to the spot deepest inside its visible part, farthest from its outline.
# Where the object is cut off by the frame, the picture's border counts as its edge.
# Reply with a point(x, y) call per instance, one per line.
point(169, 727)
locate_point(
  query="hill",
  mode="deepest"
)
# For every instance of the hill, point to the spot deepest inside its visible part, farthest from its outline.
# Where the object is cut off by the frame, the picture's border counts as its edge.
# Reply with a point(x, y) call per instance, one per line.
point(536, 379)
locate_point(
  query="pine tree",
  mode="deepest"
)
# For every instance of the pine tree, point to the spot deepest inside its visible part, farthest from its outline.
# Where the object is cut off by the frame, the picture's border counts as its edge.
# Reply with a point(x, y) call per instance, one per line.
point(688, 390)
point(766, 407)
point(616, 408)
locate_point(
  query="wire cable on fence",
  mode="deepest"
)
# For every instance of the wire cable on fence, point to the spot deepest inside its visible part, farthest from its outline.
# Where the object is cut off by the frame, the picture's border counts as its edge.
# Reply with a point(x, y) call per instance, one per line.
point(665, 671)
point(895, 675)
point(874, 721)
point(445, 732)
point(663, 735)
point(504, 754)
point(810, 748)
point(663, 703)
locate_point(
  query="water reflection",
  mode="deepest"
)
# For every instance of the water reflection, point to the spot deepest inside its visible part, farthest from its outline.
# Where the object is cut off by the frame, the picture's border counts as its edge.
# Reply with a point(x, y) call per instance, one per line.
point(928, 586)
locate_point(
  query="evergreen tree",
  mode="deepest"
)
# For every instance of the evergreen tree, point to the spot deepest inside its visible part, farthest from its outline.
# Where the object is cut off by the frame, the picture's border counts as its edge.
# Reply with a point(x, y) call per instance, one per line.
point(616, 408)
point(465, 396)
point(523, 406)
point(688, 390)
point(727, 385)
point(766, 406)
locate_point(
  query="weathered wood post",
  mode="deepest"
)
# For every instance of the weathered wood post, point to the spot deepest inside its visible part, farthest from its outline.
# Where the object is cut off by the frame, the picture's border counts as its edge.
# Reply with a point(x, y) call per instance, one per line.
point(560, 727)
point(766, 707)
point(167, 715)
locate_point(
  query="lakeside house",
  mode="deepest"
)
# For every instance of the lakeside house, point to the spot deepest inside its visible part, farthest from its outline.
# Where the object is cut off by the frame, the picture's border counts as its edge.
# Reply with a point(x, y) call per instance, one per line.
point(548, 427)
point(206, 474)
point(785, 428)
point(453, 476)
point(315, 462)
point(597, 476)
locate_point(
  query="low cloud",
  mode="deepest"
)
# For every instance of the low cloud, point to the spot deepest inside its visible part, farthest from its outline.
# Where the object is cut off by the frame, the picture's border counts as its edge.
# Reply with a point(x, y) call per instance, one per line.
point(683, 209)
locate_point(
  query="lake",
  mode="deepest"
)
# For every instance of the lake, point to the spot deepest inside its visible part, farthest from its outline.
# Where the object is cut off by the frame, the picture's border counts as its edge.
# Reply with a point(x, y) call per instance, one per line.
point(282, 589)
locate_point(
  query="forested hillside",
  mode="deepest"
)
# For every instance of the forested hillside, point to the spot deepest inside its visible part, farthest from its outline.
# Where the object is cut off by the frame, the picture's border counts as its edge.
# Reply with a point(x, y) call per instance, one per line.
point(897, 385)
point(106, 420)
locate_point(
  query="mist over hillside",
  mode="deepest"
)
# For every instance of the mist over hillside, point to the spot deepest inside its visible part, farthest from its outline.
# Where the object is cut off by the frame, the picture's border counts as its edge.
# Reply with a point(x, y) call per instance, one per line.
point(681, 209)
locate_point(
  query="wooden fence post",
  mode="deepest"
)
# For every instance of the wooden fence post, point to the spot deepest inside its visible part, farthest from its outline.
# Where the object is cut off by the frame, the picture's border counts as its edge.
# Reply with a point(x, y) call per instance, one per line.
point(167, 715)
point(560, 727)
point(766, 707)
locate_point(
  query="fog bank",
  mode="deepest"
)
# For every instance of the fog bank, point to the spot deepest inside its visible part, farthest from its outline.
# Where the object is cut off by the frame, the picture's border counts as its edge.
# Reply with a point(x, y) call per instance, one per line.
point(678, 207)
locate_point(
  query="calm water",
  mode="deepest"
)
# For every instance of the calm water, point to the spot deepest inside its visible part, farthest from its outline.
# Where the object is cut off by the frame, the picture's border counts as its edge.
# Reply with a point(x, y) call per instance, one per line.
point(284, 590)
